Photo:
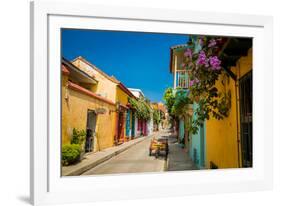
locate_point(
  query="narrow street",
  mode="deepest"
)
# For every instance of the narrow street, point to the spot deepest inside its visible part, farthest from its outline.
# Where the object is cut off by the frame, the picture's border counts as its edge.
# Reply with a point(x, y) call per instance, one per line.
point(135, 159)
point(108, 127)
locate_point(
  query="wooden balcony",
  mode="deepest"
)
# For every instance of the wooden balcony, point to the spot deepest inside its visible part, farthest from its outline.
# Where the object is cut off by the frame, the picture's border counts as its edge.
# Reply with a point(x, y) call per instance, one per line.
point(181, 79)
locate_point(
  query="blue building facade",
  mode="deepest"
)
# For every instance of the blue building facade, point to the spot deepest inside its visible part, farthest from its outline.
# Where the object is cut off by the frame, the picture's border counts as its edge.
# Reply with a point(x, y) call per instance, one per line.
point(181, 130)
point(196, 143)
point(197, 150)
point(128, 125)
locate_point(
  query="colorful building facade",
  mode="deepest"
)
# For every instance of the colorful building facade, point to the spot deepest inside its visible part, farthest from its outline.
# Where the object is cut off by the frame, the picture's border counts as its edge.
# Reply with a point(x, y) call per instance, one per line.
point(194, 144)
point(124, 116)
point(113, 89)
point(96, 103)
point(225, 143)
point(162, 112)
point(230, 140)
point(83, 109)
point(141, 127)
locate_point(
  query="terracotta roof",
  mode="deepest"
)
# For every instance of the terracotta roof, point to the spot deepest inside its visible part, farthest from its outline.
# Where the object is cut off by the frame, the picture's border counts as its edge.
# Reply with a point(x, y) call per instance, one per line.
point(68, 68)
point(64, 70)
point(180, 46)
point(159, 106)
point(126, 90)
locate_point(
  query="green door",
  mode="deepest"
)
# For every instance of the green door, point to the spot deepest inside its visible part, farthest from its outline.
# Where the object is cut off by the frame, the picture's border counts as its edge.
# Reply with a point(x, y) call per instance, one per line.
point(133, 124)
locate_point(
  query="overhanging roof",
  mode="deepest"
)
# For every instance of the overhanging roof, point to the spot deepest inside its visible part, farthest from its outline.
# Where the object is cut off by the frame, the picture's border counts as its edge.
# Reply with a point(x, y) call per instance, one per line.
point(233, 49)
point(176, 48)
point(77, 74)
point(136, 90)
point(125, 89)
point(111, 78)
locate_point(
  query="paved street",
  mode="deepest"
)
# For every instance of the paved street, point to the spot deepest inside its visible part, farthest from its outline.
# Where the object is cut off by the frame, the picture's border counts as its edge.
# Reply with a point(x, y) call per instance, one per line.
point(178, 158)
point(108, 128)
point(135, 159)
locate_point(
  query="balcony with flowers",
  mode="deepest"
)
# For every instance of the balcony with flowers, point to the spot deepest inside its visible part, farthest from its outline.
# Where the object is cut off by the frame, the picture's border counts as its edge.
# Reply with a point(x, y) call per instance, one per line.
point(196, 67)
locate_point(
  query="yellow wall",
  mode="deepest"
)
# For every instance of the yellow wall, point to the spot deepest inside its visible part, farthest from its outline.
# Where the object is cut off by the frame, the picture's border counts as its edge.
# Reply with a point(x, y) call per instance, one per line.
point(105, 86)
point(222, 135)
point(66, 129)
point(74, 115)
point(91, 87)
point(122, 97)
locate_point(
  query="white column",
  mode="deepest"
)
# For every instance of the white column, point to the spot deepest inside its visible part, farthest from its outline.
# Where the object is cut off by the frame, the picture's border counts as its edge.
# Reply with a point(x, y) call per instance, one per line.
point(175, 72)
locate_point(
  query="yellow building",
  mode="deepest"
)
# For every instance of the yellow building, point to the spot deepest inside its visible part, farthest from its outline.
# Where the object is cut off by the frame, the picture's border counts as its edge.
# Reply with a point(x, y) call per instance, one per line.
point(106, 86)
point(83, 109)
point(225, 143)
point(111, 88)
point(229, 141)
point(125, 120)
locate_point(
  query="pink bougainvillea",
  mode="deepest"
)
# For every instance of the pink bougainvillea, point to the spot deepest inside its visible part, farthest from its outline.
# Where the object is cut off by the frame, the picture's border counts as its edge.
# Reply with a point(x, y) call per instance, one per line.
point(215, 63)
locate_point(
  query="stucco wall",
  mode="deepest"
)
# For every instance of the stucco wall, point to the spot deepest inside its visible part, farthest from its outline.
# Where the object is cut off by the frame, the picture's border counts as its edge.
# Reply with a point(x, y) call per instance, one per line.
point(66, 130)
point(197, 146)
point(137, 133)
point(122, 98)
point(222, 135)
point(181, 129)
point(105, 86)
point(149, 126)
point(74, 115)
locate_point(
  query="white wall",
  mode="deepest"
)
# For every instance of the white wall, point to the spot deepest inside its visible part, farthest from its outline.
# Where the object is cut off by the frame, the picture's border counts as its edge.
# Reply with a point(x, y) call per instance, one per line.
point(14, 43)
point(150, 126)
point(137, 133)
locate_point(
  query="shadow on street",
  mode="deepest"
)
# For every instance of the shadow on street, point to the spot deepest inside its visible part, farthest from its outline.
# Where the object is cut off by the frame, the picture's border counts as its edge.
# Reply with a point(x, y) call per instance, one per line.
point(178, 159)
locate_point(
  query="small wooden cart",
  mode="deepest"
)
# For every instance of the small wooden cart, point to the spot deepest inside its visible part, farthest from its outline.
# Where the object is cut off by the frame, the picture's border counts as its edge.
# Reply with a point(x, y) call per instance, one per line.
point(159, 147)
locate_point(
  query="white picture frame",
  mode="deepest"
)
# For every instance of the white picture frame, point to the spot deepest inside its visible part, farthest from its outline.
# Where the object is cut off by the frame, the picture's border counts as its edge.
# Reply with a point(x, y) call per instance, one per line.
point(47, 186)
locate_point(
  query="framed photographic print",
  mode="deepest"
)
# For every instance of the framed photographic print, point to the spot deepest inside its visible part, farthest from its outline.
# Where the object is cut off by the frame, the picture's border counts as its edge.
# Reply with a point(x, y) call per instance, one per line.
point(141, 103)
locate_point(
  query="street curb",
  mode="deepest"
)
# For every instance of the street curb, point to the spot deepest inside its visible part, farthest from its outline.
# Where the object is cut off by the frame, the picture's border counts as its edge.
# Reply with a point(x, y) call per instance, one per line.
point(85, 168)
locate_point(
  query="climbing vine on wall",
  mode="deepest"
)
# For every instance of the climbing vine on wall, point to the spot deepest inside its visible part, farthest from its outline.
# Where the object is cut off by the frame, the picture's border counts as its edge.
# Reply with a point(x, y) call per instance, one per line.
point(158, 116)
point(142, 108)
point(169, 99)
point(203, 64)
point(181, 104)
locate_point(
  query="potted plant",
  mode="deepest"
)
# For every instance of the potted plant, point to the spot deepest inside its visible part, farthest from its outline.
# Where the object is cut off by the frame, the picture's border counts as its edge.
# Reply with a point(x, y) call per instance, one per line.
point(79, 138)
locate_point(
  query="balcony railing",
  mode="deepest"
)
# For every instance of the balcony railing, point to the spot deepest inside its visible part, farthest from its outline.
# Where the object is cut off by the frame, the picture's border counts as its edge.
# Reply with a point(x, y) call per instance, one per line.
point(181, 79)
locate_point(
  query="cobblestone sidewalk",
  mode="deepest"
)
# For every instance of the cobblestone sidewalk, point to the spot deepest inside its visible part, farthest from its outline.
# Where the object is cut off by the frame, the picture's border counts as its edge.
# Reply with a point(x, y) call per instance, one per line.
point(178, 159)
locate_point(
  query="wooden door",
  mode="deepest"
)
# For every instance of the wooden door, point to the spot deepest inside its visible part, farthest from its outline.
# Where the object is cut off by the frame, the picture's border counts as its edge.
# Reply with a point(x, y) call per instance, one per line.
point(121, 120)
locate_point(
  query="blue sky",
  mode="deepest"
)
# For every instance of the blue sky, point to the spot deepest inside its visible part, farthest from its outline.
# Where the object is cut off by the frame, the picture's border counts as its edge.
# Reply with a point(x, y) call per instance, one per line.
point(138, 60)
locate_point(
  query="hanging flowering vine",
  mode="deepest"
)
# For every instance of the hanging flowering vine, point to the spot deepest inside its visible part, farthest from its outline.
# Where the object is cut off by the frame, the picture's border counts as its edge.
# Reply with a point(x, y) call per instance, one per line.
point(204, 67)
point(143, 110)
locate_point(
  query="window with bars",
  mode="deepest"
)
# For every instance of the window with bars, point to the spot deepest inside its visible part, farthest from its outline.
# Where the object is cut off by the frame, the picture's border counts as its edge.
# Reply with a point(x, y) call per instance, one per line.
point(246, 97)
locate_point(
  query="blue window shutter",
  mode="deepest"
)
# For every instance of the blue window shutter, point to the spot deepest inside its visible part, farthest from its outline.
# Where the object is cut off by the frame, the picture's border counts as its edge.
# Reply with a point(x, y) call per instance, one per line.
point(128, 123)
